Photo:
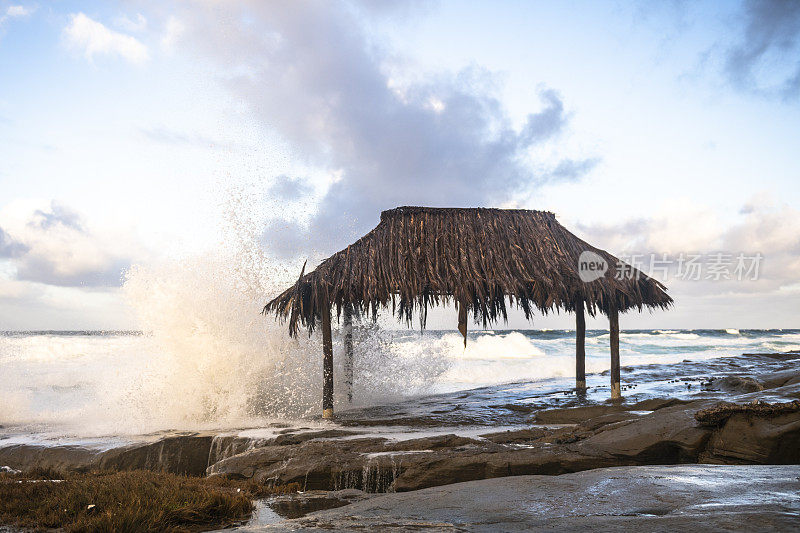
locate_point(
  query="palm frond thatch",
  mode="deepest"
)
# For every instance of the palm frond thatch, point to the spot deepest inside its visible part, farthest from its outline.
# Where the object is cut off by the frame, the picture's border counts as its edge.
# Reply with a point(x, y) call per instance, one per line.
point(418, 257)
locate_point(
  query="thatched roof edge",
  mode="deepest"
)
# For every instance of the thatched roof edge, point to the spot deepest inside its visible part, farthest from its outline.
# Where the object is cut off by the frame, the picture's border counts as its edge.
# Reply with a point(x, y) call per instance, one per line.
point(417, 257)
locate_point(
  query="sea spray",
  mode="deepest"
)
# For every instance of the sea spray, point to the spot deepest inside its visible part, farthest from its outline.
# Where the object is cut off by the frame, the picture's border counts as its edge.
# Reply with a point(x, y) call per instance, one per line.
point(219, 360)
point(96, 384)
point(206, 358)
point(216, 359)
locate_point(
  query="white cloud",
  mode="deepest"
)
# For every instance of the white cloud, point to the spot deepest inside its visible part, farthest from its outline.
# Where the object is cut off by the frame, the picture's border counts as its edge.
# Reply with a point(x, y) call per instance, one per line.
point(93, 38)
point(16, 11)
point(54, 245)
point(311, 74)
point(19, 11)
point(60, 270)
point(764, 227)
point(172, 33)
point(132, 24)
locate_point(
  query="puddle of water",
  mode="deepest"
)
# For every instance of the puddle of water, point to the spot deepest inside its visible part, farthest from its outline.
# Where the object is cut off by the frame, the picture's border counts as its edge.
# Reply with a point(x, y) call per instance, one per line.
point(278, 508)
point(392, 453)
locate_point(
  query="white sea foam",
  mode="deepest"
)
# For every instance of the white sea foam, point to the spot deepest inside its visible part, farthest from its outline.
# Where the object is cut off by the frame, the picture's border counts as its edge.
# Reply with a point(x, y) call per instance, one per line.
point(208, 359)
point(208, 363)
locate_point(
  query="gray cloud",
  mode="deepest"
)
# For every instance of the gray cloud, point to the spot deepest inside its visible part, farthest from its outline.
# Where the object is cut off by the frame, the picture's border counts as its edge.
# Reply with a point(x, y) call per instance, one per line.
point(287, 188)
point(9, 247)
point(572, 169)
point(58, 215)
point(55, 247)
point(309, 70)
point(771, 31)
point(48, 270)
point(281, 235)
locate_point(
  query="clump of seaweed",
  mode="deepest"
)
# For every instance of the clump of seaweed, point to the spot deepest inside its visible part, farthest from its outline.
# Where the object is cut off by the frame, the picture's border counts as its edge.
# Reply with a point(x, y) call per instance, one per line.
point(126, 501)
point(720, 413)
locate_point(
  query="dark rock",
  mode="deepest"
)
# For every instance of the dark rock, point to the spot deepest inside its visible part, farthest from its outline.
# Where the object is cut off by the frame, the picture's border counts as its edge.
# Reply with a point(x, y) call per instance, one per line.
point(225, 446)
point(430, 471)
point(669, 435)
point(516, 407)
point(719, 414)
point(737, 384)
point(519, 436)
point(780, 379)
point(347, 494)
point(60, 458)
point(187, 455)
point(314, 464)
point(746, 438)
point(649, 498)
point(575, 415)
point(179, 455)
point(297, 438)
point(654, 404)
point(791, 354)
point(604, 420)
point(433, 443)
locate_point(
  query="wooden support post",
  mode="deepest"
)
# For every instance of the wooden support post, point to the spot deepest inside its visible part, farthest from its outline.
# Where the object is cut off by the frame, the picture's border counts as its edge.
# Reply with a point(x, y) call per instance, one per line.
point(348, 351)
point(462, 320)
point(613, 319)
point(327, 365)
point(580, 347)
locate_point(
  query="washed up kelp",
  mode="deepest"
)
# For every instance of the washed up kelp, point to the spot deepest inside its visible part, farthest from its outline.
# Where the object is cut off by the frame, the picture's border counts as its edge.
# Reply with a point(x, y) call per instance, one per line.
point(478, 259)
point(720, 413)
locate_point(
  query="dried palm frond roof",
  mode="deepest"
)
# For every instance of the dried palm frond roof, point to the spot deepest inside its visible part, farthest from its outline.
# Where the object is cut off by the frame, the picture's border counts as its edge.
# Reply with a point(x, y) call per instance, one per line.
point(478, 258)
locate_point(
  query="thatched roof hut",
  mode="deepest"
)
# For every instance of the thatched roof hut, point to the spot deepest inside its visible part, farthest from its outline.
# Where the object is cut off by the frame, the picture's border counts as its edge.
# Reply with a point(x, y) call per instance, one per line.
point(479, 259)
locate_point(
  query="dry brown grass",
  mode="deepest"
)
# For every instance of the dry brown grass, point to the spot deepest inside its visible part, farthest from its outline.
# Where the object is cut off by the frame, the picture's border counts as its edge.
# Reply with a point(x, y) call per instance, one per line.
point(126, 501)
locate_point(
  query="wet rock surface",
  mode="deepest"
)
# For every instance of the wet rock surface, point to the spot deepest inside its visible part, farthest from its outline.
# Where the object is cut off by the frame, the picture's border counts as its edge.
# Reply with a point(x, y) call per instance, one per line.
point(652, 498)
point(650, 432)
point(185, 454)
point(27, 456)
point(582, 435)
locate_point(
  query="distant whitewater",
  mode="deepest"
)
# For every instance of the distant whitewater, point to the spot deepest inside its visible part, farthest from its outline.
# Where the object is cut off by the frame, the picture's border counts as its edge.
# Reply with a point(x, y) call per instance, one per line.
point(205, 359)
point(119, 383)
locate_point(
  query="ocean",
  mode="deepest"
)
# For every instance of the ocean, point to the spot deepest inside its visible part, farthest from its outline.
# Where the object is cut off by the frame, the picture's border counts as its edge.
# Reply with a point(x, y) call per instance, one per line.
point(96, 387)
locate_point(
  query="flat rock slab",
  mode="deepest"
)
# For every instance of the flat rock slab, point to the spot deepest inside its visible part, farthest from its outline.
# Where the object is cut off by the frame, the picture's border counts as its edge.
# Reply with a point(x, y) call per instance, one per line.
point(650, 432)
point(650, 498)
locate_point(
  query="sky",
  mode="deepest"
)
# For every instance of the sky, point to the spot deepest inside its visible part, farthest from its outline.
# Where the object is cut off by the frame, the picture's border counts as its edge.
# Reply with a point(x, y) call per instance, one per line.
point(137, 132)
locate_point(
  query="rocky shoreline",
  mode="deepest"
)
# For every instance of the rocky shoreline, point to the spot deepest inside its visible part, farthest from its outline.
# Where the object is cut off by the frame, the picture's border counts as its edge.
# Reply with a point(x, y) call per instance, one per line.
point(650, 432)
point(648, 498)
point(758, 423)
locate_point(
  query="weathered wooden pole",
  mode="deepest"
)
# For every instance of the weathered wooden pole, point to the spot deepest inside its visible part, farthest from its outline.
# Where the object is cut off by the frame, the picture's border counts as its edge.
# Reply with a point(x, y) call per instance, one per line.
point(327, 363)
point(580, 347)
point(613, 330)
point(462, 320)
point(348, 351)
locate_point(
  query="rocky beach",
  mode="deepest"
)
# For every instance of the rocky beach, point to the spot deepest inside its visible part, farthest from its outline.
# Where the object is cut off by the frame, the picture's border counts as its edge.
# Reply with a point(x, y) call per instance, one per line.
point(353, 265)
point(741, 410)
